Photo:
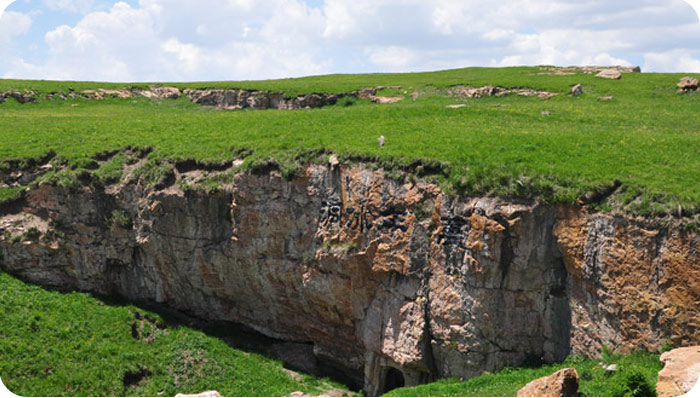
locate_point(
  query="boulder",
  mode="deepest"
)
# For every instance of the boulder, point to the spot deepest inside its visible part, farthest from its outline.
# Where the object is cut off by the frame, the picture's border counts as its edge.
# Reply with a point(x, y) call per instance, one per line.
point(201, 394)
point(563, 383)
point(688, 84)
point(576, 90)
point(680, 373)
point(385, 100)
point(609, 74)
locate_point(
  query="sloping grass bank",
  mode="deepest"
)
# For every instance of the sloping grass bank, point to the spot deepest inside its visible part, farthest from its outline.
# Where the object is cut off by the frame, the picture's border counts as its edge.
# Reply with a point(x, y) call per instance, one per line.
point(72, 344)
point(636, 377)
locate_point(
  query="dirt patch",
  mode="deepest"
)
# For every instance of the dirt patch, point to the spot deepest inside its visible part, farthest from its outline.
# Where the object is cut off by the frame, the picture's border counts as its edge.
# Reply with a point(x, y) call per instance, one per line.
point(132, 378)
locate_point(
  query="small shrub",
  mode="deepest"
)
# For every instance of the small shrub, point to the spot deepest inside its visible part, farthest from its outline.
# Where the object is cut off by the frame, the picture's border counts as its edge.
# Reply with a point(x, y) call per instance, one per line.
point(32, 234)
point(636, 385)
point(120, 219)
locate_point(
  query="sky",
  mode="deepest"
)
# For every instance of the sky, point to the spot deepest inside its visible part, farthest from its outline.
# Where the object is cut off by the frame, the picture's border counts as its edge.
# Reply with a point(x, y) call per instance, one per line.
point(195, 40)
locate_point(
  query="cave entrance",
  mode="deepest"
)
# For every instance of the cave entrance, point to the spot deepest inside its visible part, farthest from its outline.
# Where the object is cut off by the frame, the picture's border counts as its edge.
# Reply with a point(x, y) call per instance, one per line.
point(392, 380)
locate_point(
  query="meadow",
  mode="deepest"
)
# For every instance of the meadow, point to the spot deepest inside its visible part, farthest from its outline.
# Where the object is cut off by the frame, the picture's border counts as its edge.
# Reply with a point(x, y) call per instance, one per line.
point(557, 150)
point(74, 344)
point(636, 377)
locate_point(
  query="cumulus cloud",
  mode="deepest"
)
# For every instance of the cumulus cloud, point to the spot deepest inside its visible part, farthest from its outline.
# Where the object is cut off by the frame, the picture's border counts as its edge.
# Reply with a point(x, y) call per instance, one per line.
point(248, 39)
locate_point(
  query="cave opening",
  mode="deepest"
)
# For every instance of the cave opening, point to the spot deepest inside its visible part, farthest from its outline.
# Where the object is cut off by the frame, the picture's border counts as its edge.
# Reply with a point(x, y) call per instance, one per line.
point(392, 380)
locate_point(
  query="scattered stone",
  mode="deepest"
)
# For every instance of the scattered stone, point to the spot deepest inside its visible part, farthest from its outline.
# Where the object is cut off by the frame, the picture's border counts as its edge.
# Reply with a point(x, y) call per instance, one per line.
point(385, 100)
point(201, 394)
point(576, 90)
point(456, 106)
point(563, 383)
point(611, 368)
point(381, 141)
point(610, 74)
point(609, 98)
point(687, 84)
point(680, 373)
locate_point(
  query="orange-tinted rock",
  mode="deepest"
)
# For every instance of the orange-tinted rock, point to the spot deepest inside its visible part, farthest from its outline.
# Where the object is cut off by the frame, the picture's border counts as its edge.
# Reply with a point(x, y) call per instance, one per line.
point(680, 373)
point(563, 383)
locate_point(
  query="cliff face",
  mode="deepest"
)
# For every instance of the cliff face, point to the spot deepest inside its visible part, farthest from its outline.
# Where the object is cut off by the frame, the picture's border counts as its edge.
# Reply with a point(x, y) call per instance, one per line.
point(391, 282)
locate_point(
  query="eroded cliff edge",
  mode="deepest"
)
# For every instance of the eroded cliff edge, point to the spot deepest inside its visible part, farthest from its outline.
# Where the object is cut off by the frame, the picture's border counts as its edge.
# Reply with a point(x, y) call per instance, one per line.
point(393, 282)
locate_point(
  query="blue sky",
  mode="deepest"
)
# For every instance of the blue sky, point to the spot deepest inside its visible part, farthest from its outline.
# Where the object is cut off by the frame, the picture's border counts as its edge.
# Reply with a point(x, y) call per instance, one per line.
point(186, 40)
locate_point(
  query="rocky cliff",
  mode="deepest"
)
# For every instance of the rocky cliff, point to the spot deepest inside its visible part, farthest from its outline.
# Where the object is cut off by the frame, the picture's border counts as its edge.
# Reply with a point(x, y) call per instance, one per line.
point(392, 282)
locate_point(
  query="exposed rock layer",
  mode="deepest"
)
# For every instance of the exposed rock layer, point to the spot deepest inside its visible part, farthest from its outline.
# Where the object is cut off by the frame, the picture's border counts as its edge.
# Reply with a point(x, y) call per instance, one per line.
point(392, 282)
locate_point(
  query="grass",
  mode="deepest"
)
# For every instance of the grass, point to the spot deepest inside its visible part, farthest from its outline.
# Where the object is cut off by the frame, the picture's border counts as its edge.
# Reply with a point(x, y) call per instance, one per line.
point(72, 344)
point(636, 376)
point(648, 137)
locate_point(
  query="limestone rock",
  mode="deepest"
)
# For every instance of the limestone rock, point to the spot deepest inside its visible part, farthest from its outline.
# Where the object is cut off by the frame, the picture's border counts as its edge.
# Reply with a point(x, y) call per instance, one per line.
point(680, 373)
point(609, 74)
point(165, 92)
point(576, 90)
point(608, 98)
point(688, 84)
point(200, 395)
point(385, 100)
point(563, 383)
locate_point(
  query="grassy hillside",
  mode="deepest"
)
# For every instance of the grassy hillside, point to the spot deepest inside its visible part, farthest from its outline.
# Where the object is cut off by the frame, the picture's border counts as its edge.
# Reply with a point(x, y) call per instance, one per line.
point(56, 344)
point(558, 149)
point(636, 376)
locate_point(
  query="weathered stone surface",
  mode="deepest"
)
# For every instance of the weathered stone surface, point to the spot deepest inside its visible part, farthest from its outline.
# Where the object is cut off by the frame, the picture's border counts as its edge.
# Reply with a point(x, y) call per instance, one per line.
point(495, 91)
point(588, 70)
point(576, 90)
point(630, 285)
point(200, 395)
point(688, 84)
point(610, 74)
point(387, 281)
point(563, 383)
point(680, 373)
point(22, 97)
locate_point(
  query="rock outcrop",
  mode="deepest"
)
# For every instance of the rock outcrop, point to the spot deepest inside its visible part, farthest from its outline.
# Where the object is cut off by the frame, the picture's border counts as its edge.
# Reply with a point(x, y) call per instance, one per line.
point(613, 74)
point(496, 91)
point(688, 84)
point(393, 283)
point(588, 70)
point(563, 383)
point(22, 97)
point(229, 99)
point(680, 373)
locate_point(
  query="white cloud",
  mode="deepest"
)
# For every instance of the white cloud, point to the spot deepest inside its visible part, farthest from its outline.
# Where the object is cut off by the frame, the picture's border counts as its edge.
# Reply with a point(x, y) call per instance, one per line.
point(248, 39)
point(677, 60)
point(13, 24)
point(79, 6)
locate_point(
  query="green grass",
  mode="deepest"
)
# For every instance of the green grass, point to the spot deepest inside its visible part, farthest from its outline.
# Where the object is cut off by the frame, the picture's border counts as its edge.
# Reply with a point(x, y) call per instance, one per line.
point(636, 376)
point(648, 137)
point(72, 344)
